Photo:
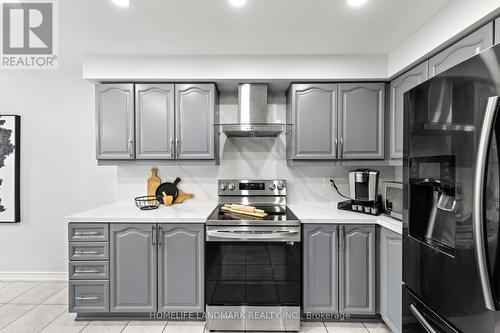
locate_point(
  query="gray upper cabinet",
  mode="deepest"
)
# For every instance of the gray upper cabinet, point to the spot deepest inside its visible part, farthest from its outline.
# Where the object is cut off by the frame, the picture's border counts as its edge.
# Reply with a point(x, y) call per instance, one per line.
point(115, 121)
point(357, 270)
point(181, 263)
point(195, 114)
point(155, 122)
point(465, 48)
point(312, 109)
point(133, 268)
point(391, 276)
point(361, 120)
point(399, 86)
point(320, 255)
point(497, 31)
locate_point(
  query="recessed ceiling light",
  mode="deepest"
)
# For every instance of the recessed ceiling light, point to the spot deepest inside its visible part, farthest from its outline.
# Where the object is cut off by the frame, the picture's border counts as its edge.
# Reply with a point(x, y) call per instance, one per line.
point(238, 3)
point(356, 3)
point(121, 3)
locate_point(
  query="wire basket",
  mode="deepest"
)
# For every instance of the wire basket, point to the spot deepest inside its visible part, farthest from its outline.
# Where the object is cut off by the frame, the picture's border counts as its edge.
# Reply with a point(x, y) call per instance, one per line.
point(147, 202)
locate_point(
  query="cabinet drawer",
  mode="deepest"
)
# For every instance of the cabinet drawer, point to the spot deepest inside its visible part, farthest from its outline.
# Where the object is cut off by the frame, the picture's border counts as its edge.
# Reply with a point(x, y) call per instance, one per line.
point(88, 296)
point(88, 270)
point(88, 232)
point(88, 251)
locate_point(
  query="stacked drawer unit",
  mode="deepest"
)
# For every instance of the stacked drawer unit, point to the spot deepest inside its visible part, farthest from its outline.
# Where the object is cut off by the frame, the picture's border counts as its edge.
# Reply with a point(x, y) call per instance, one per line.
point(88, 267)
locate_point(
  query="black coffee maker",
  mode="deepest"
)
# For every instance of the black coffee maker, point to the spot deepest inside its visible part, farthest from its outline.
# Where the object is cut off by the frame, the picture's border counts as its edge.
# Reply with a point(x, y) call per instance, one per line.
point(363, 191)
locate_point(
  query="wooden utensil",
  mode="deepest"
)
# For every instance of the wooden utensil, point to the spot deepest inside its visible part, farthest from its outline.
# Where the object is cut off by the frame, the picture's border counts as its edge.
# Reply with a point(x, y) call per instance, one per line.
point(245, 208)
point(181, 196)
point(242, 212)
point(153, 181)
point(167, 199)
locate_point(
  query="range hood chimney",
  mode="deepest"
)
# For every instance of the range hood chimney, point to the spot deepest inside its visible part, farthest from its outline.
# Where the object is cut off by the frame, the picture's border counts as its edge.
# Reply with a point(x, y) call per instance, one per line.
point(253, 117)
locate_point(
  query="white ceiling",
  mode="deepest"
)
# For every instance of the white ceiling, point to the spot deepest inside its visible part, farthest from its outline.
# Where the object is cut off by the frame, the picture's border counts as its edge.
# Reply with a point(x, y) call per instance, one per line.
point(262, 27)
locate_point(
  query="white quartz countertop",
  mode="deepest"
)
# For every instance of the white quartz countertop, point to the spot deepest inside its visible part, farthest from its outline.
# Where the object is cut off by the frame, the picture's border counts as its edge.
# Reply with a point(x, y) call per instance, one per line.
point(328, 213)
point(193, 211)
point(190, 211)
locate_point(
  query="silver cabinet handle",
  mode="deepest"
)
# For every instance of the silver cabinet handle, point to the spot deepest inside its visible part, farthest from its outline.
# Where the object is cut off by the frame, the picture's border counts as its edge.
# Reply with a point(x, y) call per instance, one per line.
point(171, 147)
point(87, 298)
point(341, 148)
point(421, 319)
point(153, 234)
point(87, 233)
point(337, 148)
point(130, 147)
point(177, 146)
point(87, 271)
point(80, 252)
point(478, 199)
point(160, 235)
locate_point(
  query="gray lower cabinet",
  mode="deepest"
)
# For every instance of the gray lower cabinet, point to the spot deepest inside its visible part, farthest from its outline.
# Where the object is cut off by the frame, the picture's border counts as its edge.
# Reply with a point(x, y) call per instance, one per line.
point(133, 267)
point(181, 263)
point(357, 270)
point(320, 294)
point(195, 114)
point(465, 48)
point(391, 275)
point(312, 109)
point(115, 121)
point(398, 87)
point(361, 120)
point(154, 121)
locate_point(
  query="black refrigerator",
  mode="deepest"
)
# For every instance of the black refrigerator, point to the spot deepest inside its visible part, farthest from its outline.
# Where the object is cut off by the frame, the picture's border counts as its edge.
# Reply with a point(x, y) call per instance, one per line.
point(451, 254)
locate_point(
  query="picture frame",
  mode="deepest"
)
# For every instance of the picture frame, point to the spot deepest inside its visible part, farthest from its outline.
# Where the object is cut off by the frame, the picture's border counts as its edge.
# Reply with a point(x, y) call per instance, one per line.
point(10, 158)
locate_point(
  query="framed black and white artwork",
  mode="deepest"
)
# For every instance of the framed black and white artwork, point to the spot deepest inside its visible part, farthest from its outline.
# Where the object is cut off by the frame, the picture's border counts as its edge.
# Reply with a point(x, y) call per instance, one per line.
point(10, 139)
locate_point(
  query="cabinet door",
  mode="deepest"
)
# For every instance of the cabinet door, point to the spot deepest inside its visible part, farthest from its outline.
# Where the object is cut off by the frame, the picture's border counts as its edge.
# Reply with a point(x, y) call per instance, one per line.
point(391, 275)
point(313, 113)
point(399, 86)
point(133, 268)
point(320, 268)
point(154, 119)
point(465, 48)
point(181, 272)
point(115, 121)
point(361, 120)
point(497, 31)
point(195, 113)
point(357, 270)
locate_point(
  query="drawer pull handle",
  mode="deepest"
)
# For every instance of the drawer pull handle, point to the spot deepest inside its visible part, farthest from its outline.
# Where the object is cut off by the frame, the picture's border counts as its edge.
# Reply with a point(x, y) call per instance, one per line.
point(87, 233)
point(87, 298)
point(87, 271)
point(79, 252)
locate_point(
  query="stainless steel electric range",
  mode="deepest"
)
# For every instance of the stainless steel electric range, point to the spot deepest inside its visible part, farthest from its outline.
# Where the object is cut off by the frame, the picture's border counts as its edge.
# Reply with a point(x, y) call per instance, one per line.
point(253, 264)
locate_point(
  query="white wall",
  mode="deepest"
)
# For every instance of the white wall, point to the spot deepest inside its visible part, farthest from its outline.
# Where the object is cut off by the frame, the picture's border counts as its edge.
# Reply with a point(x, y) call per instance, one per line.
point(458, 18)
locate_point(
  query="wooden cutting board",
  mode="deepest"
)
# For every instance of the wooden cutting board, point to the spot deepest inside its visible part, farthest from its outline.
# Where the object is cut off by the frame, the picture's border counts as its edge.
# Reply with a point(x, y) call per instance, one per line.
point(153, 181)
point(181, 196)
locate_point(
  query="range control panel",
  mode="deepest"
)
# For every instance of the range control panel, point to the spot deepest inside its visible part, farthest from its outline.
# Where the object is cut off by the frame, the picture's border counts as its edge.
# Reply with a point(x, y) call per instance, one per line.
point(246, 187)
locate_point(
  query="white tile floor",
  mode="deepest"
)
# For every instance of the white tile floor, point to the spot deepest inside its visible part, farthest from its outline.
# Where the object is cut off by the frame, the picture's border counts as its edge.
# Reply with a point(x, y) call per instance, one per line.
point(27, 307)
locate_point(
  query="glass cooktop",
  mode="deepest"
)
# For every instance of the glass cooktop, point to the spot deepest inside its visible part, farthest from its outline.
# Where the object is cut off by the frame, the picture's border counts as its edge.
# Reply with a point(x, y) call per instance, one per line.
point(279, 214)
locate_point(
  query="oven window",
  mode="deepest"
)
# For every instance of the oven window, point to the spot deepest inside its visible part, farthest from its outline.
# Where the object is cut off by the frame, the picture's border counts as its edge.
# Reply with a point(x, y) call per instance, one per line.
point(258, 274)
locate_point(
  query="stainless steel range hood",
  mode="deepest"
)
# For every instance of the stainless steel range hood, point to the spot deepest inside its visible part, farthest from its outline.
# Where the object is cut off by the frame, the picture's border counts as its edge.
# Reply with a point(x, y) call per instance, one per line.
point(253, 118)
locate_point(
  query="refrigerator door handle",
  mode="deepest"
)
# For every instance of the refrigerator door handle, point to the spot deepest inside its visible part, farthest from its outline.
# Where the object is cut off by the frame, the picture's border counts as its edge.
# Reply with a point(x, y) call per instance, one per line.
point(421, 319)
point(478, 200)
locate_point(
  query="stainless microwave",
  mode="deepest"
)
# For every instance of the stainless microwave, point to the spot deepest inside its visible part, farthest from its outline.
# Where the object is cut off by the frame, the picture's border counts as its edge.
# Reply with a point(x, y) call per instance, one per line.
point(393, 199)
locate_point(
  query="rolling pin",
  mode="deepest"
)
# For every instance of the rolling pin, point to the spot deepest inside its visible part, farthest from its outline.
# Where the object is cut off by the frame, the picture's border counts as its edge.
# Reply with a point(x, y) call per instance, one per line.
point(242, 212)
point(249, 209)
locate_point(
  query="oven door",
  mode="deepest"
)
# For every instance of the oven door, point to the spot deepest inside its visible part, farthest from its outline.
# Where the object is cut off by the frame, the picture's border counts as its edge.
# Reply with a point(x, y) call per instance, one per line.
point(253, 270)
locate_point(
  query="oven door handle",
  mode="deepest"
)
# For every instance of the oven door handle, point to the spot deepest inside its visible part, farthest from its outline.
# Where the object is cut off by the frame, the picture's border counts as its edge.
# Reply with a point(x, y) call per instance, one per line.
point(282, 235)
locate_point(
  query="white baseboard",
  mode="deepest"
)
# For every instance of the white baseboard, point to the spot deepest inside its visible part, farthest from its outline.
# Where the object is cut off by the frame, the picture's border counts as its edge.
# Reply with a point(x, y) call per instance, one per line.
point(33, 276)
